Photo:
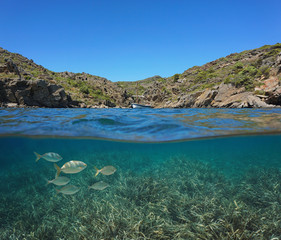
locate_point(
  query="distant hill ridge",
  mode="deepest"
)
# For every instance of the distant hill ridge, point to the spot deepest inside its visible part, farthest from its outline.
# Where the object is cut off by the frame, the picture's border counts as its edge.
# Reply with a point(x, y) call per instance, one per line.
point(251, 78)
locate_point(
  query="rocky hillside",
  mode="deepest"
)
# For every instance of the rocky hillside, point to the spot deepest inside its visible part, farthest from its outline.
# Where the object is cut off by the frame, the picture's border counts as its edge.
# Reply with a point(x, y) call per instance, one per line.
point(21, 76)
point(248, 79)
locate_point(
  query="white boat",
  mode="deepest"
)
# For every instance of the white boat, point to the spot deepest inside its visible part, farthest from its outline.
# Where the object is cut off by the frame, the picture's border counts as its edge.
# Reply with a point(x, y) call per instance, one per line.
point(136, 105)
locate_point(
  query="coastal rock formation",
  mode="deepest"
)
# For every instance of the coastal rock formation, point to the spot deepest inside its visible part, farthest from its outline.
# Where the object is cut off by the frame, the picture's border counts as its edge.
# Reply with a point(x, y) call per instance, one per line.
point(37, 93)
point(240, 80)
point(245, 80)
point(224, 96)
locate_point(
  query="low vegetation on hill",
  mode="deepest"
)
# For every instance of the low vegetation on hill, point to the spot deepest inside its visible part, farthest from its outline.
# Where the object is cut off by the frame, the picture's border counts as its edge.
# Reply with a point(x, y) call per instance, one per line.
point(256, 71)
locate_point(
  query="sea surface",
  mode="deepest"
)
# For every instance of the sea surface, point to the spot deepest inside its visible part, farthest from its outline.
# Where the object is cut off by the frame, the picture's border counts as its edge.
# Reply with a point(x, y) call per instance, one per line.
point(181, 174)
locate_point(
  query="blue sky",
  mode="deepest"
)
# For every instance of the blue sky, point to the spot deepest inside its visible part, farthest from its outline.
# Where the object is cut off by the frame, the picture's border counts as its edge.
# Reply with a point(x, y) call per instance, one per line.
point(132, 40)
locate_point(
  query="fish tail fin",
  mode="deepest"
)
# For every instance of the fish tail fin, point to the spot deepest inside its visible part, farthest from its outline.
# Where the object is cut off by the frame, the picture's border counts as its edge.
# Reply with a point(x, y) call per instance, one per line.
point(38, 156)
point(57, 191)
point(58, 169)
point(47, 181)
point(98, 171)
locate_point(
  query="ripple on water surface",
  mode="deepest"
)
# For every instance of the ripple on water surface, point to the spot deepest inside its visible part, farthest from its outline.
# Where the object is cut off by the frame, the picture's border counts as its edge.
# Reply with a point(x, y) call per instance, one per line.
point(139, 124)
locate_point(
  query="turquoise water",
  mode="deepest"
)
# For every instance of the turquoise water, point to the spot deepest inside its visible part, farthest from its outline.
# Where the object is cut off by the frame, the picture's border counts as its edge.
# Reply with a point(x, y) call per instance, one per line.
point(204, 185)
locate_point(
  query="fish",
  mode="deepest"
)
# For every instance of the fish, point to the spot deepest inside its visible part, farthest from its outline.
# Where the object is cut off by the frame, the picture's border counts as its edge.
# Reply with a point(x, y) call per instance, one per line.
point(50, 157)
point(71, 167)
point(59, 181)
point(99, 185)
point(107, 170)
point(68, 190)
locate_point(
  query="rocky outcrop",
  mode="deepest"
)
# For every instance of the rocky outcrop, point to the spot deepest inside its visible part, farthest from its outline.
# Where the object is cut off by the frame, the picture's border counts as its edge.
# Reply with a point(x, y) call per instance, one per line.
point(255, 82)
point(223, 96)
point(206, 98)
point(11, 67)
point(272, 90)
point(38, 93)
point(31, 93)
point(233, 98)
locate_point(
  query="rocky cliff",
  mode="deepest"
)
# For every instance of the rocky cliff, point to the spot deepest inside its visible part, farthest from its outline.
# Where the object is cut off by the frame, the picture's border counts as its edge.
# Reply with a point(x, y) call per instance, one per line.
point(248, 79)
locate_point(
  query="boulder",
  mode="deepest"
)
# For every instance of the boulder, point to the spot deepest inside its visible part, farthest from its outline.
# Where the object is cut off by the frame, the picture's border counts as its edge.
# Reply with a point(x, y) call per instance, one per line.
point(53, 88)
point(274, 97)
point(10, 96)
point(241, 100)
point(23, 97)
point(109, 103)
point(12, 67)
point(272, 90)
point(82, 105)
point(205, 99)
point(12, 105)
point(185, 101)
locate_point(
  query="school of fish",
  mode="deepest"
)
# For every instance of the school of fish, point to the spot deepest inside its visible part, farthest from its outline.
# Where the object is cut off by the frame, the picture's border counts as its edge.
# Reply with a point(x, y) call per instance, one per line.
point(72, 167)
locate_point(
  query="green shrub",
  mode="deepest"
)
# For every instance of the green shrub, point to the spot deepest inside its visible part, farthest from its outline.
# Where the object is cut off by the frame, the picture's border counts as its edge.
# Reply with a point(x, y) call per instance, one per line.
point(211, 75)
point(277, 45)
point(265, 47)
point(202, 76)
point(161, 80)
point(273, 52)
point(229, 79)
point(264, 70)
point(245, 77)
point(222, 59)
point(249, 71)
point(244, 80)
point(98, 94)
point(257, 63)
point(260, 92)
point(176, 77)
point(84, 89)
point(238, 66)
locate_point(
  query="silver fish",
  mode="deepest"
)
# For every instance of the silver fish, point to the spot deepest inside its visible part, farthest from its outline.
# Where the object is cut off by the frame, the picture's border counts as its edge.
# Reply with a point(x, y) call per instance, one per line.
point(68, 190)
point(107, 170)
point(71, 167)
point(50, 157)
point(99, 185)
point(59, 181)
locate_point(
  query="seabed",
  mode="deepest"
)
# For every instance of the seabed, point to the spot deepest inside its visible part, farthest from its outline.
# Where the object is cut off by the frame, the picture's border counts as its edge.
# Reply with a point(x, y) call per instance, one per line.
point(188, 190)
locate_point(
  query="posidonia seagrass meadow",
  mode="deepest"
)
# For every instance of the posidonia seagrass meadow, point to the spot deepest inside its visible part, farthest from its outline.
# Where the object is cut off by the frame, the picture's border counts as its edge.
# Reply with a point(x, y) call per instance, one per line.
point(181, 198)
